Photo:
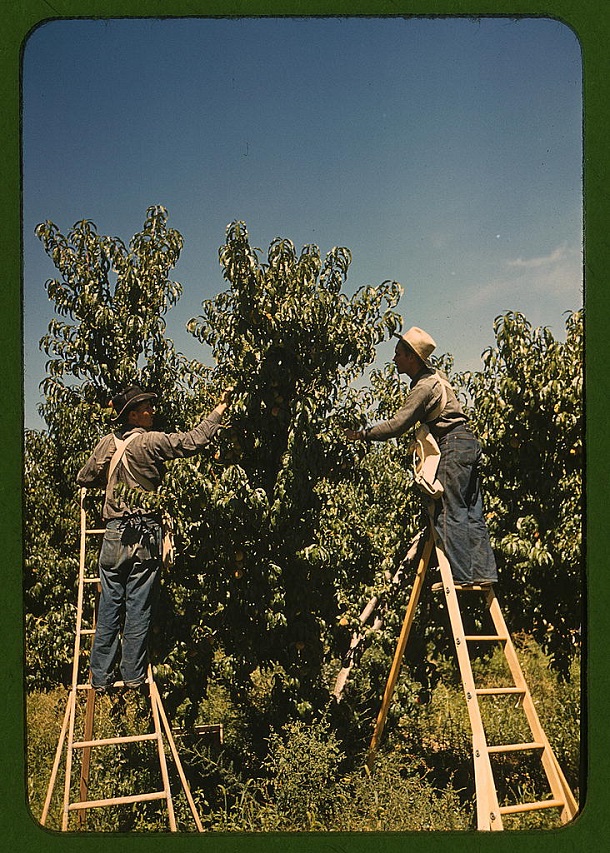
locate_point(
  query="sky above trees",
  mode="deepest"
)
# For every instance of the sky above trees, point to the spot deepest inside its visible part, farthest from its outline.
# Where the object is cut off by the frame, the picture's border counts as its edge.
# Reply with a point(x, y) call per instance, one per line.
point(444, 153)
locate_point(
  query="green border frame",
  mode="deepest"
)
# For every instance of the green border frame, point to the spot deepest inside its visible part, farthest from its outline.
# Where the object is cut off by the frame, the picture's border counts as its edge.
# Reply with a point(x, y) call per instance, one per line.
point(592, 27)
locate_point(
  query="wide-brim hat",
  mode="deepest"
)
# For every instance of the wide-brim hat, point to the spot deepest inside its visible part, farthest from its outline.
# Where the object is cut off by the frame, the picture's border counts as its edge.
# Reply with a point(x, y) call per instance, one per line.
point(127, 399)
point(419, 341)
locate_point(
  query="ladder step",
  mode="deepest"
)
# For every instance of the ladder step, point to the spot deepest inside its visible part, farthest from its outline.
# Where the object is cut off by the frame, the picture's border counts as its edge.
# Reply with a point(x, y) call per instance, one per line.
point(87, 630)
point(81, 744)
point(532, 807)
point(498, 691)
point(102, 530)
point(91, 580)
point(486, 638)
point(112, 801)
point(515, 747)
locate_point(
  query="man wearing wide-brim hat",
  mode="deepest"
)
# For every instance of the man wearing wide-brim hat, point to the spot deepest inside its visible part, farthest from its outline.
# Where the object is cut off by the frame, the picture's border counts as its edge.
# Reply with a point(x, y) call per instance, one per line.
point(133, 455)
point(459, 511)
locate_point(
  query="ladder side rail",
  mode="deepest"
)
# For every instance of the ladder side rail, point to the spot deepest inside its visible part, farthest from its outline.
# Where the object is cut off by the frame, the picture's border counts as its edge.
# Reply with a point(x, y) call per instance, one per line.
point(154, 703)
point(178, 763)
point(400, 649)
point(68, 723)
point(68, 772)
point(81, 585)
point(559, 785)
point(90, 702)
point(76, 661)
point(58, 754)
point(488, 808)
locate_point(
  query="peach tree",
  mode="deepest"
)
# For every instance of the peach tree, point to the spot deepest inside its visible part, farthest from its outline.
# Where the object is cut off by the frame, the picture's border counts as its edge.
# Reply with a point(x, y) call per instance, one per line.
point(269, 535)
point(263, 573)
point(108, 331)
point(527, 408)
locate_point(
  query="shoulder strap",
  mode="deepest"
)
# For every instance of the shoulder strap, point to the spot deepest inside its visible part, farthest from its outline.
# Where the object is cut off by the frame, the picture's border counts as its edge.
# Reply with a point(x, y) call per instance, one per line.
point(121, 446)
point(434, 414)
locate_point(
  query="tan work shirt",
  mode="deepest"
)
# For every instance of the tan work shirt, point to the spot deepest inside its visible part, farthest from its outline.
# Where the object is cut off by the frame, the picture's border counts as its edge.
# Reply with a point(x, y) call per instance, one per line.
point(424, 397)
point(145, 455)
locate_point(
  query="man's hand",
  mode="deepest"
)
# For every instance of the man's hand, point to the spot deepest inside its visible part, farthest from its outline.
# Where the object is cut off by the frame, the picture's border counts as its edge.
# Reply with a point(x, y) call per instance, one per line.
point(354, 434)
point(225, 400)
point(226, 396)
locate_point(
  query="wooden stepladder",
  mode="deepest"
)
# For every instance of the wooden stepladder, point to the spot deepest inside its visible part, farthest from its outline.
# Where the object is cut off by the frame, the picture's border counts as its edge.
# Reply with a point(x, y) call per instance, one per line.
point(489, 810)
point(77, 735)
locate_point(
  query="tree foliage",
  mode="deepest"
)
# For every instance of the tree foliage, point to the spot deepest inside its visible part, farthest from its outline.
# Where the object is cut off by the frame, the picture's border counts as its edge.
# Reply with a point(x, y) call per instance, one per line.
point(262, 574)
point(113, 298)
point(110, 300)
point(527, 409)
point(283, 530)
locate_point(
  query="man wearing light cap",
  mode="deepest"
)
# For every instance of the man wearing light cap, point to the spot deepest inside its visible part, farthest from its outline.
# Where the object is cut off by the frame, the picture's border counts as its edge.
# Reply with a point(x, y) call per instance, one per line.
point(134, 455)
point(459, 511)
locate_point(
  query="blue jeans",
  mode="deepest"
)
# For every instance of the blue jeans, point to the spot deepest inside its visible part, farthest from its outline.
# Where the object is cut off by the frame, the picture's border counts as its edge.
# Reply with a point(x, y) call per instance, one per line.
point(459, 513)
point(129, 564)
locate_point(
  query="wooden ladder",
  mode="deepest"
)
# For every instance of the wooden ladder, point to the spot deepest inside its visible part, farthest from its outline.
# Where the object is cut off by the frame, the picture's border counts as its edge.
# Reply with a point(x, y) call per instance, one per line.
point(82, 747)
point(489, 811)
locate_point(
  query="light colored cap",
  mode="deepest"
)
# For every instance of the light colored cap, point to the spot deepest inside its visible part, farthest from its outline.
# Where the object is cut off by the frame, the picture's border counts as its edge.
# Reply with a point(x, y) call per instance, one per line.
point(419, 341)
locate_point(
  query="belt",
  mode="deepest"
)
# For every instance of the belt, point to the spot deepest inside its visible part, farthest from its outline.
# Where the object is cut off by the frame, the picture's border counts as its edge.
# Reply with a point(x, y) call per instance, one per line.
point(135, 519)
point(453, 430)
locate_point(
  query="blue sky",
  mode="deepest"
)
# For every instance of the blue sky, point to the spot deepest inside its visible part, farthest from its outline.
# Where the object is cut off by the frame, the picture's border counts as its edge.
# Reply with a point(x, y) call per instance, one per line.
point(444, 153)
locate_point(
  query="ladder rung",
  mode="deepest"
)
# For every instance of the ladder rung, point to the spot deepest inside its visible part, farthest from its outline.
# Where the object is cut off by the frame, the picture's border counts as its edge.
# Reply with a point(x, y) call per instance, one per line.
point(515, 747)
point(497, 691)
point(87, 630)
point(132, 798)
point(532, 807)
point(91, 580)
point(90, 686)
point(81, 744)
point(101, 530)
point(486, 638)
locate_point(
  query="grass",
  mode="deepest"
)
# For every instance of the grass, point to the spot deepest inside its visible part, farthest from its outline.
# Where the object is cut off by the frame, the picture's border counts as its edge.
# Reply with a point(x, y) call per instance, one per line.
point(308, 778)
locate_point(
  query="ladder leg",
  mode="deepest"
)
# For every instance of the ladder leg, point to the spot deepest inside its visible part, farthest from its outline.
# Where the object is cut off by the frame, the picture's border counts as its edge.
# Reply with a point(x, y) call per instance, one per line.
point(557, 781)
point(69, 751)
point(178, 763)
point(58, 754)
point(400, 649)
point(488, 812)
point(155, 701)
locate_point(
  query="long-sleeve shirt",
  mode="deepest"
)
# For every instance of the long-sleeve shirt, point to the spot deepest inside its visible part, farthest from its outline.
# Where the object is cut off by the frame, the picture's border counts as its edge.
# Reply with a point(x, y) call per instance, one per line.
point(423, 398)
point(145, 456)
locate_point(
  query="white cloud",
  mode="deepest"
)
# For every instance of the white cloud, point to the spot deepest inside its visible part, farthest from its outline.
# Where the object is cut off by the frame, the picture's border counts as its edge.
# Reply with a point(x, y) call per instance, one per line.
point(554, 278)
point(557, 256)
